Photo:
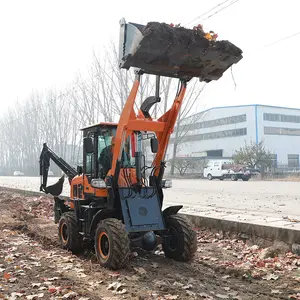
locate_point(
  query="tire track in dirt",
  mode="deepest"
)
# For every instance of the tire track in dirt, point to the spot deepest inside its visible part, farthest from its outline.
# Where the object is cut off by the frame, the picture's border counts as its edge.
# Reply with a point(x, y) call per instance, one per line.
point(148, 276)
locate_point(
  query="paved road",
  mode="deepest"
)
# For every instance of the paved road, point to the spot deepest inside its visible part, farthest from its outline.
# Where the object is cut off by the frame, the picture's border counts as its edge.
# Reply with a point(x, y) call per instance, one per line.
point(261, 202)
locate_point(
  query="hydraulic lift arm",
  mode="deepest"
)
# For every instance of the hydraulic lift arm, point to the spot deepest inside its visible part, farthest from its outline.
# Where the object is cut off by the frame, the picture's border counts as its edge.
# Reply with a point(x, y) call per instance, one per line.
point(45, 157)
point(183, 54)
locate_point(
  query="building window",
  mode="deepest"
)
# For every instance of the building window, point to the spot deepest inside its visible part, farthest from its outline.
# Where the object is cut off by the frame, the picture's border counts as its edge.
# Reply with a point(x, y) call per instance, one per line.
point(281, 131)
point(211, 123)
point(281, 118)
point(213, 135)
point(293, 160)
point(214, 153)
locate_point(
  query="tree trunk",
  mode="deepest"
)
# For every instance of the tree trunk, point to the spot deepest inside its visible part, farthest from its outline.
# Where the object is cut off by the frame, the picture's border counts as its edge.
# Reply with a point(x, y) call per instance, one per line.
point(262, 172)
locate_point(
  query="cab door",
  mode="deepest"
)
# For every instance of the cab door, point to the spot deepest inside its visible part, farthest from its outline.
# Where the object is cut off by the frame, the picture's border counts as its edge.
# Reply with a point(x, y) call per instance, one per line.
point(208, 169)
point(216, 169)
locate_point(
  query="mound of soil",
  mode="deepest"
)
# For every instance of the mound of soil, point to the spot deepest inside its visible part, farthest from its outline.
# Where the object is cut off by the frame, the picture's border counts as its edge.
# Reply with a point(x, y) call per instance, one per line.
point(182, 52)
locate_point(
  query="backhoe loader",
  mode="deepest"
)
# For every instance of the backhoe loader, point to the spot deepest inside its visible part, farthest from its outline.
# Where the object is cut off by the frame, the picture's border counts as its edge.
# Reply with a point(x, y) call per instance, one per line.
point(115, 199)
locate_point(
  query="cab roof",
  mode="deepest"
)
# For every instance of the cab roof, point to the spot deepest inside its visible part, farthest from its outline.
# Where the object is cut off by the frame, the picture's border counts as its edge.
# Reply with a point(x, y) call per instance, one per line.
point(100, 125)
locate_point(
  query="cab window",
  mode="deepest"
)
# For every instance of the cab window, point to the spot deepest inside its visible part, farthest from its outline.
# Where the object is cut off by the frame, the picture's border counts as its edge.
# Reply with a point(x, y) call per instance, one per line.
point(104, 144)
point(89, 163)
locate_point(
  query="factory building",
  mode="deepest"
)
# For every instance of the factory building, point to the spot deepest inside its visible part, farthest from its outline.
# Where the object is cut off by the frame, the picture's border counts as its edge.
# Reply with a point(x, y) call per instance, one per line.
point(218, 132)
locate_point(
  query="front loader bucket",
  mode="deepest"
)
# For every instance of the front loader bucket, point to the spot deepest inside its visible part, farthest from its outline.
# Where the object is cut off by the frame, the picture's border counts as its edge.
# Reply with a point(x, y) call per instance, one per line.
point(55, 189)
point(161, 49)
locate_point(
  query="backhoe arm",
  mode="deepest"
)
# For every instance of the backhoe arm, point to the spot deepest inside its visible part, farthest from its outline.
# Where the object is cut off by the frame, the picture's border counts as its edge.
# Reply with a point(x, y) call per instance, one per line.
point(45, 157)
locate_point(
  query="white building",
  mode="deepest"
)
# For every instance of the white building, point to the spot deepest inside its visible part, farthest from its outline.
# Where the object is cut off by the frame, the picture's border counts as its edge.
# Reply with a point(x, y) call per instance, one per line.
point(219, 131)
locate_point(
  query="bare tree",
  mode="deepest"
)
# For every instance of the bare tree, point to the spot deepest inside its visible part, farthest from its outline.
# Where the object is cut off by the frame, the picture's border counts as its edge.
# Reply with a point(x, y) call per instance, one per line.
point(186, 118)
point(56, 116)
point(182, 165)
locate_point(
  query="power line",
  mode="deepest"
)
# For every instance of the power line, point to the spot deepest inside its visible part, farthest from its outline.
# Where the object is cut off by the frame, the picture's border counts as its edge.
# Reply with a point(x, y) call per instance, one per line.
point(274, 43)
point(235, 1)
point(280, 40)
point(265, 46)
point(206, 12)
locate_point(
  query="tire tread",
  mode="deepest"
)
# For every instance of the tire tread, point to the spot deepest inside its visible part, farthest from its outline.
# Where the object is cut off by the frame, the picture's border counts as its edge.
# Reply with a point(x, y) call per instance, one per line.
point(119, 242)
point(189, 239)
point(75, 243)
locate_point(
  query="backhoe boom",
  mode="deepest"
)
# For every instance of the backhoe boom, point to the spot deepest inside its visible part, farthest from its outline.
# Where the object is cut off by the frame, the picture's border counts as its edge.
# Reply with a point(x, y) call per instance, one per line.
point(45, 157)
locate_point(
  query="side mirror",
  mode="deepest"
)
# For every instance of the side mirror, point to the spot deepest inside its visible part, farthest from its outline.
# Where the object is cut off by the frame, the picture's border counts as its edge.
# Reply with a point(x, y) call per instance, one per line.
point(154, 145)
point(88, 145)
point(79, 170)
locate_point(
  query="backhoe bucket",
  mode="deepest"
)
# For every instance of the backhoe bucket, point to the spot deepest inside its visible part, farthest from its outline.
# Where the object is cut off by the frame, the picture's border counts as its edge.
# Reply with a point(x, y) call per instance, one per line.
point(55, 189)
point(161, 49)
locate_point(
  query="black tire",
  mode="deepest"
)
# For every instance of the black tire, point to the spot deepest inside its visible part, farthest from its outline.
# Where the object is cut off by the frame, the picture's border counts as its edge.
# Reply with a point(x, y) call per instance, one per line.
point(245, 178)
point(112, 244)
point(233, 177)
point(209, 177)
point(221, 178)
point(183, 242)
point(68, 233)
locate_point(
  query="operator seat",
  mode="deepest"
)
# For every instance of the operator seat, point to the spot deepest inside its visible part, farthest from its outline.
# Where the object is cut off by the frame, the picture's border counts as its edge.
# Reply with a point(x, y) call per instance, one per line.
point(104, 161)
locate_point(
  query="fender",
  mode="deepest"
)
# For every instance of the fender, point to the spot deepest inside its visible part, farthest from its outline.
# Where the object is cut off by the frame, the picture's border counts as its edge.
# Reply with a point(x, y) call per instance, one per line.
point(171, 210)
point(101, 215)
point(59, 208)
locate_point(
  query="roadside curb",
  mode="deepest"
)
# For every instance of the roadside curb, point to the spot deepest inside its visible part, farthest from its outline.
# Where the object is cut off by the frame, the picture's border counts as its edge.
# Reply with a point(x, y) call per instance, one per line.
point(245, 230)
point(27, 193)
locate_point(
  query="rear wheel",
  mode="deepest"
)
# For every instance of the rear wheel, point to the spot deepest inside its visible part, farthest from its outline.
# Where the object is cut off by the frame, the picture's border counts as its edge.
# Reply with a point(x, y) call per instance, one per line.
point(112, 244)
point(245, 178)
point(209, 177)
point(68, 233)
point(182, 244)
point(233, 177)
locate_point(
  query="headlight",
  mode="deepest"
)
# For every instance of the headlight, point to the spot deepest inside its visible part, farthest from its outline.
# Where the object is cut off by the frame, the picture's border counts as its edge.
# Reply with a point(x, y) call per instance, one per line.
point(98, 183)
point(166, 183)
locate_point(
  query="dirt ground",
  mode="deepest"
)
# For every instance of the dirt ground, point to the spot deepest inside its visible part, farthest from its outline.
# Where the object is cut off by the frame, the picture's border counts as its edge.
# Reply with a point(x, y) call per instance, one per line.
point(32, 266)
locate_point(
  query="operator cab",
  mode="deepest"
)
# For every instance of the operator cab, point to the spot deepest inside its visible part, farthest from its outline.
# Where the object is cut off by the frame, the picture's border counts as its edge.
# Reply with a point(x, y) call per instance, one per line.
point(98, 143)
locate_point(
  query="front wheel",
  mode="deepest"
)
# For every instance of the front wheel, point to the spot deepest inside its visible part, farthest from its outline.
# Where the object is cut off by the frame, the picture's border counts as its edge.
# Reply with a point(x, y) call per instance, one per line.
point(112, 244)
point(182, 242)
point(209, 177)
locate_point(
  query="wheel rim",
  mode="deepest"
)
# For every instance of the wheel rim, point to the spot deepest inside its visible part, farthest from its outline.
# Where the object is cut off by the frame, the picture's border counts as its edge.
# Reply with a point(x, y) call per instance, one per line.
point(64, 233)
point(103, 245)
point(174, 239)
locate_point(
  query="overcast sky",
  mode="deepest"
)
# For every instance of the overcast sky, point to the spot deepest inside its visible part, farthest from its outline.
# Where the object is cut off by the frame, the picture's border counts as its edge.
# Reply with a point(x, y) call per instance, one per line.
point(44, 43)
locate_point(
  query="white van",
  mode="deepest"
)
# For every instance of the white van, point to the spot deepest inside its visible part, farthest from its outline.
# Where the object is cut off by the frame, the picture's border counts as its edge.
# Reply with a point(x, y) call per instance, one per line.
point(222, 169)
point(18, 173)
point(214, 169)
